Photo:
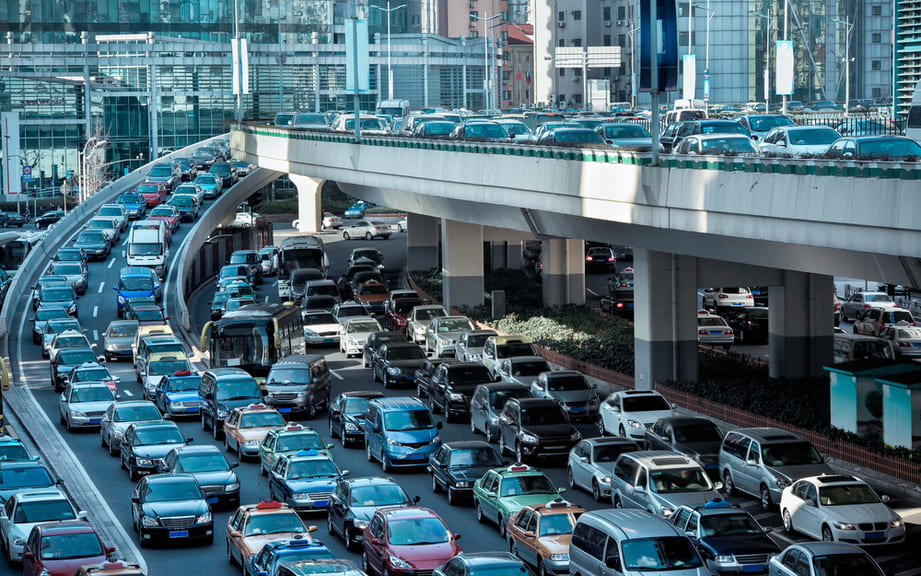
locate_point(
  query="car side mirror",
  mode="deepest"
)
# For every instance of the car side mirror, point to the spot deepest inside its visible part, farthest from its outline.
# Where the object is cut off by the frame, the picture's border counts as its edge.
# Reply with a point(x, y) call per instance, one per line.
point(615, 408)
point(885, 498)
point(416, 499)
point(640, 489)
point(752, 461)
point(82, 515)
point(375, 541)
point(439, 425)
point(781, 144)
point(234, 465)
point(457, 535)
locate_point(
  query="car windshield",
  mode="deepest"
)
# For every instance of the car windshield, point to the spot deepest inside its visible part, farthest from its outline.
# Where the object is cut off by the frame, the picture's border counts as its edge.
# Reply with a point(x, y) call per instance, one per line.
point(303, 441)
point(136, 413)
point(71, 341)
point(203, 462)
point(205, 179)
point(175, 490)
point(238, 389)
point(417, 532)
point(321, 318)
point(529, 368)
point(498, 398)
point(703, 432)
point(76, 356)
point(372, 289)
point(45, 314)
point(261, 419)
point(680, 480)
point(567, 383)
point(126, 330)
point(765, 123)
point(812, 136)
point(790, 454)
point(377, 495)
point(477, 340)
point(511, 349)
point(847, 495)
point(366, 124)
point(147, 314)
point(728, 144)
point(183, 384)
point(626, 131)
point(129, 199)
point(361, 326)
point(429, 313)
point(404, 307)
point(454, 325)
point(57, 294)
point(889, 148)
point(162, 212)
point(56, 326)
point(260, 524)
point(299, 469)
point(64, 546)
point(30, 476)
point(356, 406)
point(67, 269)
point(468, 376)
point(323, 290)
point(556, 524)
point(711, 321)
point(671, 553)
point(110, 211)
point(158, 435)
point(408, 420)
point(91, 394)
point(145, 248)
point(872, 349)
point(735, 524)
point(474, 457)
point(515, 128)
point(43, 511)
point(161, 171)
point(858, 564)
point(91, 374)
point(349, 311)
point(530, 484)
point(406, 353)
point(164, 367)
point(910, 333)
point(610, 452)
point(878, 298)
point(645, 403)
point(10, 452)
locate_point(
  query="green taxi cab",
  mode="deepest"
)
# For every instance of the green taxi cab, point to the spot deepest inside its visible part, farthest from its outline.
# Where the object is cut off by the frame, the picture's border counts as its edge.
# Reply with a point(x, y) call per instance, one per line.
point(502, 492)
point(288, 440)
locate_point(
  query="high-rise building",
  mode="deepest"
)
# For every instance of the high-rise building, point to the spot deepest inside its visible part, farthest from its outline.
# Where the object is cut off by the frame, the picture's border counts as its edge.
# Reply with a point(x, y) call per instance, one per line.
point(907, 51)
point(518, 54)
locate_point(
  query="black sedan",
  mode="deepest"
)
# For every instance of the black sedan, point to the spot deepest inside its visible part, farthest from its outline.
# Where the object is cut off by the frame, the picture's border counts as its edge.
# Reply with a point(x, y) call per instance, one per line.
point(66, 359)
point(210, 469)
point(750, 325)
point(455, 466)
point(397, 362)
point(374, 342)
point(49, 218)
point(95, 243)
point(347, 415)
point(354, 501)
point(167, 507)
point(453, 386)
point(146, 444)
point(10, 219)
point(426, 373)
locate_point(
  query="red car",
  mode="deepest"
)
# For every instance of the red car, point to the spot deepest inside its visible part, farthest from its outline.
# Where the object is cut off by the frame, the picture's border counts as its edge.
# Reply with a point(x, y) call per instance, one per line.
point(166, 213)
point(153, 193)
point(61, 548)
point(397, 311)
point(406, 540)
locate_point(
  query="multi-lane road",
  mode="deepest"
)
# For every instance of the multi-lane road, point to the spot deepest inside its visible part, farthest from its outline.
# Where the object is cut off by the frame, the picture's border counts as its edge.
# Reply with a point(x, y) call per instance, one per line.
point(97, 309)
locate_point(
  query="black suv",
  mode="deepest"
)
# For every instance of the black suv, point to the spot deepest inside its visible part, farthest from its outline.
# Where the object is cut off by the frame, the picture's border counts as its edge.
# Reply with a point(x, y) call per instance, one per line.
point(374, 341)
point(531, 427)
point(696, 437)
point(426, 373)
point(750, 325)
point(397, 362)
point(453, 386)
point(455, 466)
point(347, 415)
point(354, 501)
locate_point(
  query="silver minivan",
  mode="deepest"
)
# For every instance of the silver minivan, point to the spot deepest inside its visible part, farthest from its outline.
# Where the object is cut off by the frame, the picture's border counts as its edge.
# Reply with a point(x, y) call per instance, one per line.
point(764, 461)
point(630, 543)
point(659, 481)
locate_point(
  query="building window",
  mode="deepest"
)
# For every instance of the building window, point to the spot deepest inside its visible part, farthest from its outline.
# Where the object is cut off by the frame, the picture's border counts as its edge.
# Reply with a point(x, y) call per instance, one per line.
point(577, 72)
point(606, 40)
point(606, 13)
point(577, 15)
point(474, 34)
point(577, 42)
point(561, 43)
point(621, 13)
point(876, 10)
point(561, 16)
point(875, 38)
point(877, 92)
point(875, 65)
point(683, 38)
point(561, 72)
point(506, 94)
point(473, 16)
point(622, 40)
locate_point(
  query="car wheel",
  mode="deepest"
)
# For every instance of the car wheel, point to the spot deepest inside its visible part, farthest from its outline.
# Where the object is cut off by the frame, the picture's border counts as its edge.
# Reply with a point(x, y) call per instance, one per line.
point(621, 432)
point(596, 491)
point(617, 502)
point(787, 522)
point(365, 565)
point(540, 567)
point(473, 429)
point(488, 432)
point(215, 431)
point(731, 489)
point(227, 443)
point(452, 496)
point(329, 525)
point(827, 535)
point(766, 503)
point(133, 473)
point(601, 430)
point(111, 448)
point(204, 424)
point(311, 410)
point(368, 451)
point(67, 425)
point(502, 448)
point(345, 235)
point(239, 452)
point(501, 526)
point(364, 360)
point(386, 378)
point(386, 466)
point(436, 488)
point(332, 429)
point(478, 511)
point(571, 479)
point(348, 537)
point(368, 236)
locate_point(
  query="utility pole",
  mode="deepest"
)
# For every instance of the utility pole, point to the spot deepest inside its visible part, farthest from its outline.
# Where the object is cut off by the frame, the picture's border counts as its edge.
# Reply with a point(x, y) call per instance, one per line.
point(786, 31)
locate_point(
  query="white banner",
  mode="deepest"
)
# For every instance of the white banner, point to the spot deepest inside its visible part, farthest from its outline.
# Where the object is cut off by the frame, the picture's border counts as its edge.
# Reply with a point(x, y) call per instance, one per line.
point(240, 58)
point(784, 67)
point(690, 76)
point(12, 172)
point(356, 54)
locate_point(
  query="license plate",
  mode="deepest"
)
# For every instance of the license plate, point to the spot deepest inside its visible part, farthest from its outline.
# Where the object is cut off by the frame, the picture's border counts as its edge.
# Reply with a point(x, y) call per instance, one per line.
point(716, 332)
point(410, 377)
point(95, 420)
point(329, 340)
point(212, 500)
point(712, 466)
point(191, 409)
point(735, 304)
point(629, 305)
point(874, 536)
point(416, 456)
point(577, 409)
point(917, 344)
point(284, 410)
point(179, 534)
point(320, 503)
point(753, 568)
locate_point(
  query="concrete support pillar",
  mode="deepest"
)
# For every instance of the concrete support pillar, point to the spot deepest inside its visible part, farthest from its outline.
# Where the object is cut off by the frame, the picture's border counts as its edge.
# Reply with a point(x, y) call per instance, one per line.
point(801, 321)
point(665, 317)
point(462, 263)
point(421, 241)
point(309, 210)
point(563, 275)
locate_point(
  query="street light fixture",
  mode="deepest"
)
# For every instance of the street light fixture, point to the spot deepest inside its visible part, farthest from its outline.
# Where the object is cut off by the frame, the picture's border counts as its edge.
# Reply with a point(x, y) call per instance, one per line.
point(847, 62)
point(486, 20)
point(767, 60)
point(388, 10)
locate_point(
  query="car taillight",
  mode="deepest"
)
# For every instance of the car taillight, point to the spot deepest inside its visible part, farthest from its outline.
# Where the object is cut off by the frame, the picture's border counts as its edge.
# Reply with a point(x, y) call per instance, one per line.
point(610, 259)
point(729, 331)
point(702, 332)
point(588, 258)
point(866, 306)
point(723, 296)
point(748, 296)
point(904, 345)
point(619, 305)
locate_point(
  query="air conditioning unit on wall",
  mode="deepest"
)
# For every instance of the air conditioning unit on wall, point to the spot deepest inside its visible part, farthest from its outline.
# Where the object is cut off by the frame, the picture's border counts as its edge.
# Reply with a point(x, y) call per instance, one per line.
point(562, 24)
point(607, 23)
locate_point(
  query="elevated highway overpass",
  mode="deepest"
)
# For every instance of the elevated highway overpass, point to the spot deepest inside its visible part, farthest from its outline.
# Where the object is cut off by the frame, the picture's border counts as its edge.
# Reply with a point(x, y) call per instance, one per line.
point(706, 221)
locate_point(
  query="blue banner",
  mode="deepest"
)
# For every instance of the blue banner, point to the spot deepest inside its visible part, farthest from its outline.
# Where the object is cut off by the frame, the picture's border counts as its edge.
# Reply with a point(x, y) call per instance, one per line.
point(666, 49)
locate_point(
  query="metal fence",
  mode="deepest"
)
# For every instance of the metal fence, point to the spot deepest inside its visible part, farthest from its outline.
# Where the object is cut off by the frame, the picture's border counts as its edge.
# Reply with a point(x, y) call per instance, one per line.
point(855, 124)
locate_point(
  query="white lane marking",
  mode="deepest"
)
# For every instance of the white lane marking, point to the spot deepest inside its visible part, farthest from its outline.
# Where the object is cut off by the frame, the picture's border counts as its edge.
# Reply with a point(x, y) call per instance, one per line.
point(111, 262)
point(125, 243)
point(96, 334)
point(127, 393)
point(95, 311)
point(62, 445)
point(334, 373)
point(101, 286)
point(266, 299)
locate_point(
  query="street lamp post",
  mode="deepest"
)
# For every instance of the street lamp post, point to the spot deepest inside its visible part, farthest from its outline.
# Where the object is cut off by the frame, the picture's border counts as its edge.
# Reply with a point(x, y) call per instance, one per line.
point(280, 57)
point(847, 62)
point(486, 20)
point(710, 14)
point(388, 10)
point(631, 33)
point(767, 60)
point(96, 142)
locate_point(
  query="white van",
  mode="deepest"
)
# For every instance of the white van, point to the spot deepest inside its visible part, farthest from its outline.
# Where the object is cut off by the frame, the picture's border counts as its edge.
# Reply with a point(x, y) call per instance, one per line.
point(913, 126)
point(396, 109)
point(147, 246)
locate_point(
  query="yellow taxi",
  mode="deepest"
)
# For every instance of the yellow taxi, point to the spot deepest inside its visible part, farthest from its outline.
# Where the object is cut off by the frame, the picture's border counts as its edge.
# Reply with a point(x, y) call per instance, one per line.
point(540, 535)
point(247, 426)
point(253, 526)
point(114, 568)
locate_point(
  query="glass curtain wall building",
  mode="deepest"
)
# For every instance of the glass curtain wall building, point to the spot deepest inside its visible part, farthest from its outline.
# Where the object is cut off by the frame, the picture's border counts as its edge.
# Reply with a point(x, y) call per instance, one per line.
point(150, 76)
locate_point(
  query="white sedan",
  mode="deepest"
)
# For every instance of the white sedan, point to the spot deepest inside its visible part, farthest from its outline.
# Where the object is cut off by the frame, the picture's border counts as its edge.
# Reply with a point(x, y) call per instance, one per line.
point(840, 508)
point(713, 330)
point(367, 229)
point(630, 412)
point(330, 221)
point(798, 140)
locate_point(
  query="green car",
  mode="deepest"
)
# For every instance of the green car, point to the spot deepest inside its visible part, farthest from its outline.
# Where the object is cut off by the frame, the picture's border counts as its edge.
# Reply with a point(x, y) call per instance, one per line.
point(502, 492)
point(288, 440)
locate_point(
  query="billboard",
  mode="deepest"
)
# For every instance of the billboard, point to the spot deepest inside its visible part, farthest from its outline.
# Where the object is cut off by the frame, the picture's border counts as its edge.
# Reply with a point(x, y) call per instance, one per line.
point(784, 64)
point(689, 74)
point(9, 130)
point(356, 56)
point(666, 49)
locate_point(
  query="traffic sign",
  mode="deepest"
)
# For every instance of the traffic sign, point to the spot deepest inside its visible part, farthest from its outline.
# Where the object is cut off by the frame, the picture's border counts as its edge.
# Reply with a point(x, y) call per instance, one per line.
point(26, 173)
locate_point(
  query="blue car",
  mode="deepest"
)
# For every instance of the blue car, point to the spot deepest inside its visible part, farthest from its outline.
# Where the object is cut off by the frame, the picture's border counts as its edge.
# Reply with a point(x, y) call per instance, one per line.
point(135, 282)
point(357, 210)
point(211, 185)
point(304, 480)
point(134, 204)
point(274, 554)
point(177, 394)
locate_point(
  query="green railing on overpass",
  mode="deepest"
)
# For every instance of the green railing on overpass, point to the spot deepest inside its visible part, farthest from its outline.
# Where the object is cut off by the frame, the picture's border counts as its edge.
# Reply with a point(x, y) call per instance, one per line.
point(796, 166)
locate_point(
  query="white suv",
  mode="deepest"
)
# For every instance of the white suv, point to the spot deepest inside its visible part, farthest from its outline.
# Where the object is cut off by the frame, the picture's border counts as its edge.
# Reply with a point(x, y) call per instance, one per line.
point(27, 508)
point(728, 297)
point(630, 412)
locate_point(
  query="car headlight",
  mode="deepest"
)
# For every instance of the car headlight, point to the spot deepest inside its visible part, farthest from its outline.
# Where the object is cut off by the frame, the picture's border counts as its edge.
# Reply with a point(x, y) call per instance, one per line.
point(435, 440)
point(560, 557)
point(121, 299)
point(575, 436)
point(232, 487)
point(605, 479)
point(529, 438)
point(301, 495)
point(251, 442)
point(494, 420)
point(77, 413)
point(359, 525)
point(593, 400)
point(724, 559)
point(463, 484)
point(781, 482)
point(204, 518)
point(148, 521)
point(392, 442)
point(843, 526)
point(897, 523)
point(634, 424)
point(665, 510)
point(352, 427)
point(456, 397)
point(144, 462)
point(394, 370)
point(418, 329)
point(399, 562)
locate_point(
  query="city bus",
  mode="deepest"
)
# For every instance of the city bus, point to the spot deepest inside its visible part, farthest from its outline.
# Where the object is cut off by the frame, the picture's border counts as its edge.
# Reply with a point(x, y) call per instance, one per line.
point(254, 337)
point(14, 247)
point(299, 252)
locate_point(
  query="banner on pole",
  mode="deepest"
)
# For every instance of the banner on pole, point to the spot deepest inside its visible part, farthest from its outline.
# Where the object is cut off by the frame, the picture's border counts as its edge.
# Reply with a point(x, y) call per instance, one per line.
point(707, 84)
point(689, 76)
point(356, 55)
point(239, 80)
point(784, 73)
point(666, 49)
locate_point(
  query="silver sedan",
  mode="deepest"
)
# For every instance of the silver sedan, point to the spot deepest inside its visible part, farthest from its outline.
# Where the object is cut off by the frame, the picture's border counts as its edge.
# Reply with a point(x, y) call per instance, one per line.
point(368, 230)
point(83, 405)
